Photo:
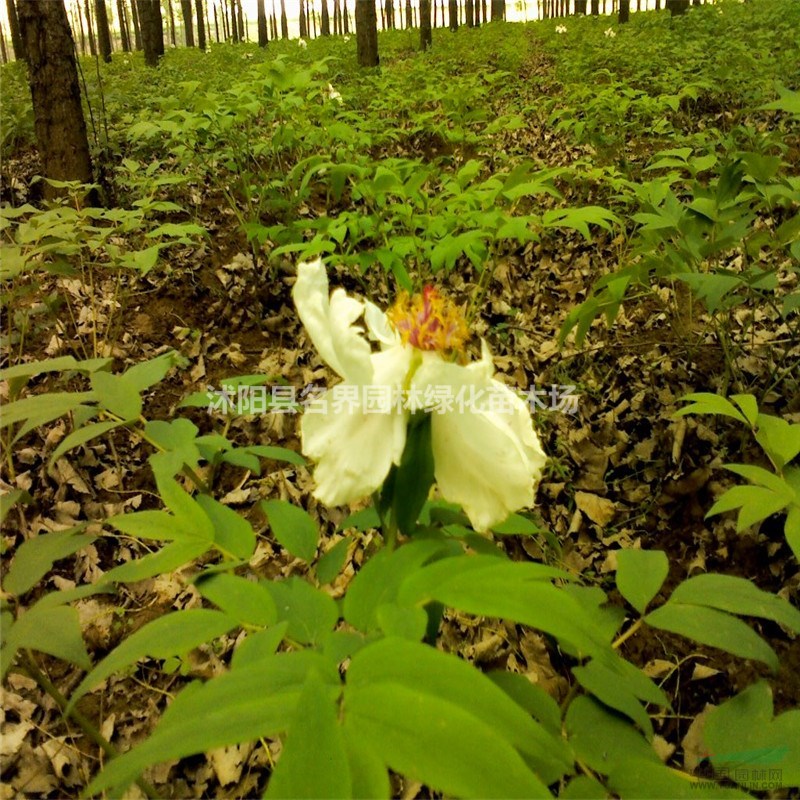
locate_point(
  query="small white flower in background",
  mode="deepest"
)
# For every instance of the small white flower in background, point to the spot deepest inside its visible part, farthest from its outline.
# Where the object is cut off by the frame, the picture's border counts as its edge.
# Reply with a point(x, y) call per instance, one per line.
point(561, 28)
point(610, 32)
point(347, 38)
point(301, 43)
point(246, 56)
point(487, 460)
point(332, 94)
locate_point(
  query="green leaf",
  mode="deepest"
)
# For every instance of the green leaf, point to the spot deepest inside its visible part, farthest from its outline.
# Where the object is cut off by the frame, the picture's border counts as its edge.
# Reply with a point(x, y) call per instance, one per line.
point(238, 706)
point(606, 686)
point(489, 587)
point(330, 563)
point(167, 559)
point(640, 574)
point(315, 737)
point(117, 394)
point(174, 634)
point(259, 646)
point(379, 580)
point(35, 557)
point(438, 743)
point(601, 738)
point(780, 440)
point(310, 612)
point(275, 453)
point(708, 403)
point(9, 499)
point(367, 772)
point(532, 698)
point(233, 534)
point(148, 373)
point(582, 787)
point(407, 623)
point(424, 669)
point(639, 779)
point(714, 628)
point(247, 602)
point(81, 436)
point(188, 512)
point(41, 409)
point(61, 364)
point(745, 740)
point(516, 525)
point(737, 596)
point(293, 527)
point(55, 631)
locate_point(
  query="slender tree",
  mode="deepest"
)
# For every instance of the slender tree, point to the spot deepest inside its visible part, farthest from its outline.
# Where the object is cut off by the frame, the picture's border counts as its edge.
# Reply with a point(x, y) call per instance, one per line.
point(498, 10)
point(152, 26)
point(261, 16)
point(172, 28)
point(3, 51)
point(425, 32)
point(367, 33)
point(124, 29)
point(325, 23)
point(103, 31)
point(16, 38)
point(77, 24)
point(274, 22)
point(201, 24)
point(188, 28)
point(240, 19)
point(453, 13)
point(55, 92)
point(624, 11)
point(345, 17)
point(137, 31)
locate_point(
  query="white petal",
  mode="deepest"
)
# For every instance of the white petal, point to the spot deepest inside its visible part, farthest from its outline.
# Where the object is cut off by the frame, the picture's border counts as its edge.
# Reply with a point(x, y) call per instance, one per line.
point(487, 456)
point(329, 323)
point(354, 450)
point(378, 326)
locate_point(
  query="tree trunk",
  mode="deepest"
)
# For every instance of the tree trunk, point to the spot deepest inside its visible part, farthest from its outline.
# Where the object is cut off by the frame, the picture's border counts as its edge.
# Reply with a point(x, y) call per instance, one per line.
point(124, 28)
point(302, 21)
point(389, 14)
point(337, 18)
point(261, 14)
point(345, 17)
point(55, 92)
point(498, 10)
point(240, 18)
point(469, 8)
point(16, 38)
point(409, 15)
point(152, 30)
point(453, 13)
point(87, 10)
point(325, 23)
point(677, 7)
point(171, 12)
point(425, 30)
point(201, 25)
point(233, 28)
point(137, 31)
point(284, 21)
point(103, 32)
point(367, 33)
point(188, 32)
point(580, 6)
point(624, 11)
point(595, 7)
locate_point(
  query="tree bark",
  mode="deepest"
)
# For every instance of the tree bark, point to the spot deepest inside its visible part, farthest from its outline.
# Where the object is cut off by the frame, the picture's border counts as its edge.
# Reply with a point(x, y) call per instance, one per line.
point(171, 12)
point(240, 18)
point(453, 14)
point(325, 17)
point(302, 21)
point(595, 7)
point(103, 32)
point(677, 7)
point(624, 11)
point(137, 31)
point(124, 28)
point(367, 33)
point(16, 38)
point(263, 36)
point(152, 30)
point(498, 10)
point(284, 21)
point(201, 25)
point(345, 17)
point(188, 28)
point(425, 30)
point(53, 74)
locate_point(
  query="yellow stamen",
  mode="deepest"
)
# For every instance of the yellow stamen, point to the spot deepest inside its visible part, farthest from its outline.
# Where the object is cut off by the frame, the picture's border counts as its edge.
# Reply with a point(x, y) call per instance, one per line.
point(429, 321)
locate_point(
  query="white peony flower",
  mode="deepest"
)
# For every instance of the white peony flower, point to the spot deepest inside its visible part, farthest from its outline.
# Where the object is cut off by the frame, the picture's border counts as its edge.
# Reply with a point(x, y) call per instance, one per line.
point(332, 94)
point(347, 38)
point(487, 456)
point(561, 28)
point(302, 44)
point(610, 32)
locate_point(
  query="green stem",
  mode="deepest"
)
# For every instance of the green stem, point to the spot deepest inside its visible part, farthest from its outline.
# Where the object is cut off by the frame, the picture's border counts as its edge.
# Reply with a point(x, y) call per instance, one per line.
point(83, 722)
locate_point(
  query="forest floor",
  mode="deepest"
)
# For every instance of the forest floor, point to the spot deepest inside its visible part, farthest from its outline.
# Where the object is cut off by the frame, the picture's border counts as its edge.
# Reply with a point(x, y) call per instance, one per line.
point(624, 471)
